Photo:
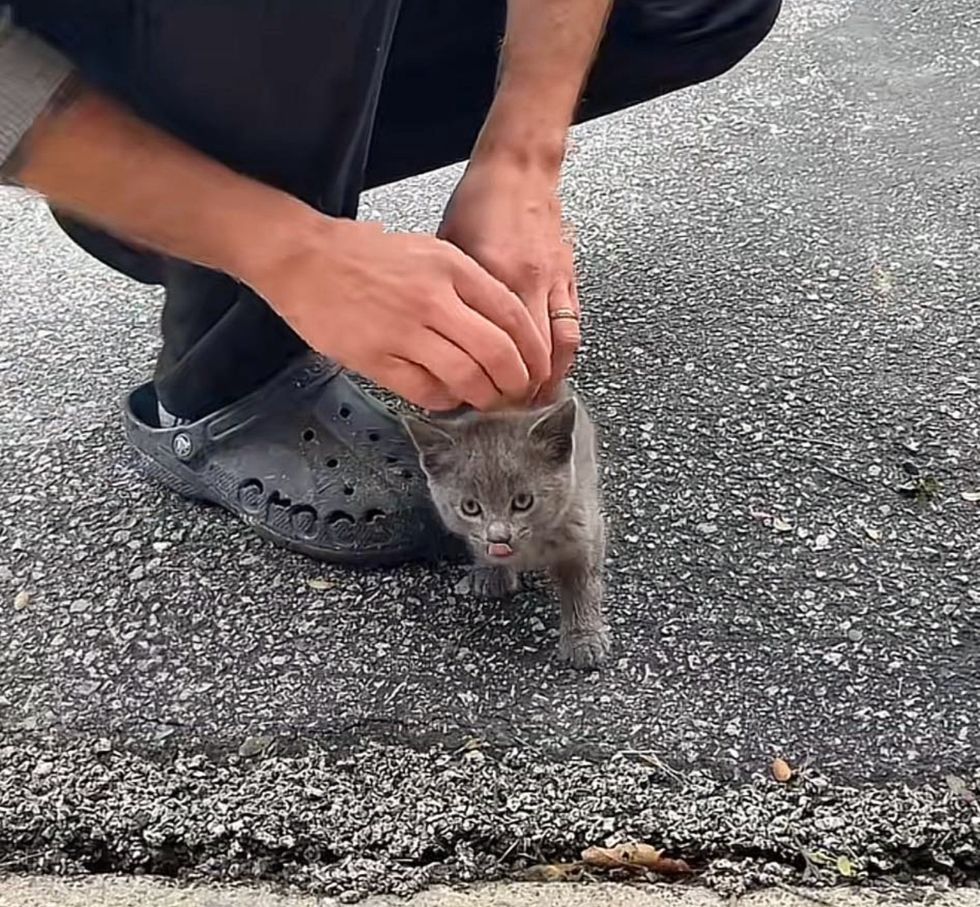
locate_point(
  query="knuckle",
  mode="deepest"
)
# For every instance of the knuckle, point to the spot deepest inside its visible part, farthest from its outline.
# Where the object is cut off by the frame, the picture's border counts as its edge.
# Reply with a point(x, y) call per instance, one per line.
point(427, 304)
point(567, 332)
point(529, 273)
point(567, 350)
point(476, 378)
point(512, 317)
point(500, 356)
point(451, 256)
point(466, 375)
point(475, 387)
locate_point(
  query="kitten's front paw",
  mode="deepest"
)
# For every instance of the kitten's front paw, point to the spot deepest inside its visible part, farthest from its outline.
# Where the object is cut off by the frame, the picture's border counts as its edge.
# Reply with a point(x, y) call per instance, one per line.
point(493, 582)
point(585, 649)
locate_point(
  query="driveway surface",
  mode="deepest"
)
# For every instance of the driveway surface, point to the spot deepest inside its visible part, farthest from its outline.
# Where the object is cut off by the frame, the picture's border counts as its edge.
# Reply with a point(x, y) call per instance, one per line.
point(110, 891)
point(781, 274)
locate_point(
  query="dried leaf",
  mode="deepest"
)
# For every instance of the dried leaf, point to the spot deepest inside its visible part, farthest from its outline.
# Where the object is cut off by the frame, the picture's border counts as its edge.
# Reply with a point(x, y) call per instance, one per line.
point(882, 281)
point(781, 770)
point(960, 788)
point(619, 857)
point(551, 872)
point(319, 585)
point(972, 496)
point(845, 868)
point(819, 858)
point(956, 784)
point(872, 533)
point(780, 525)
point(928, 489)
point(634, 856)
point(671, 866)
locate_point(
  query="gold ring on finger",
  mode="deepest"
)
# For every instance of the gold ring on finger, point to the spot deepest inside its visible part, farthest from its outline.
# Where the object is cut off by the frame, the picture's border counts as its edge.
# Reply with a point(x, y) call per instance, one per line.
point(559, 314)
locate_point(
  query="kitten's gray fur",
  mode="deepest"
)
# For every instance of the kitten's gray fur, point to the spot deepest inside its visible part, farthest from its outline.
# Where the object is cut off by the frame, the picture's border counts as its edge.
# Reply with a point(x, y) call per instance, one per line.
point(492, 459)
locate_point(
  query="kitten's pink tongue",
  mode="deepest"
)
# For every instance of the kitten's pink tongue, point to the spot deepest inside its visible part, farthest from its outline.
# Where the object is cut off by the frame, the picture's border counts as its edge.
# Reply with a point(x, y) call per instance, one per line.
point(499, 549)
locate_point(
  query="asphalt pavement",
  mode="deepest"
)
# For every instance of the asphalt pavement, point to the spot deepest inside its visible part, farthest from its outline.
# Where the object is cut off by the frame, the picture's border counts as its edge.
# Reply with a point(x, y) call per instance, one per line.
point(780, 274)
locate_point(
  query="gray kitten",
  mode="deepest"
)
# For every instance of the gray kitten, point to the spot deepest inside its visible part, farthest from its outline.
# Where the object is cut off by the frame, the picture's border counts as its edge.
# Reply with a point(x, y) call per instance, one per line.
point(522, 489)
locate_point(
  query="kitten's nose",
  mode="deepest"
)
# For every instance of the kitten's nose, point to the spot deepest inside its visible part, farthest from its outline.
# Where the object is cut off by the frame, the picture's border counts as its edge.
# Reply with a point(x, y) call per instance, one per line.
point(498, 533)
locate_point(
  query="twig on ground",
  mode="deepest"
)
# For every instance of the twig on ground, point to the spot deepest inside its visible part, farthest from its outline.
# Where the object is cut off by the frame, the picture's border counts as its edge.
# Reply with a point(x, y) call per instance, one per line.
point(808, 458)
point(14, 862)
point(839, 475)
point(810, 869)
point(507, 853)
point(652, 759)
point(395, 692)
point(820, 442)
point(814, 898)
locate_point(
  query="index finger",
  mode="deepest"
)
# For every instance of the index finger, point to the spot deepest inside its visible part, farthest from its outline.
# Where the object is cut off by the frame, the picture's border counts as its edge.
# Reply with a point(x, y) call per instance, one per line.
point(489, 297)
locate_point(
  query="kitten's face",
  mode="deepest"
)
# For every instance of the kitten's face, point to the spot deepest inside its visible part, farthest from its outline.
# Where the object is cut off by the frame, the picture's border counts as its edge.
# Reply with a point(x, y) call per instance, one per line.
point(501, 481)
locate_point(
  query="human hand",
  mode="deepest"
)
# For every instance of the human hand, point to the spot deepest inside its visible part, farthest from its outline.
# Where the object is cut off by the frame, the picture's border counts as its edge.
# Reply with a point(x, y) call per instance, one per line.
point(508, 218)
point(411, 312)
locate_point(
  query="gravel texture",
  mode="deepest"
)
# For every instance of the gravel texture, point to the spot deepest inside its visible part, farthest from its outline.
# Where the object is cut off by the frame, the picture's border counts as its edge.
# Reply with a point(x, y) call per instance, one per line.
point(780, 271)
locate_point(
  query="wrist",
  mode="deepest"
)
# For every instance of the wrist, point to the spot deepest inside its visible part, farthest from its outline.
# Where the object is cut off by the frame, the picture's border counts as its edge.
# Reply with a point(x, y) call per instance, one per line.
point(294, 241)
point(265, 231)
point(522, 132)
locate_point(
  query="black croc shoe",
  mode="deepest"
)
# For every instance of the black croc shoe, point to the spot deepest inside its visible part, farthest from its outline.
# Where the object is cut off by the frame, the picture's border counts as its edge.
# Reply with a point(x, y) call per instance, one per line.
point(310, 461)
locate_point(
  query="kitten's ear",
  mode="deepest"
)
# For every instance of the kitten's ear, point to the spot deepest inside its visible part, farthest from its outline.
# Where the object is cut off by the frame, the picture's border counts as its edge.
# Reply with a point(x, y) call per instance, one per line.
point(433, 443)
point(552, 433)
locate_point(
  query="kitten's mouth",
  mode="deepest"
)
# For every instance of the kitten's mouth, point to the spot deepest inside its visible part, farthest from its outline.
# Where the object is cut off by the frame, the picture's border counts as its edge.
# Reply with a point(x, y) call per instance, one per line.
point(499, 550)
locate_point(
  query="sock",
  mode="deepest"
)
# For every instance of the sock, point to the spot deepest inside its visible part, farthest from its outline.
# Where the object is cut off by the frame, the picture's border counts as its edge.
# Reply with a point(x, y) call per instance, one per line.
point(167, 420)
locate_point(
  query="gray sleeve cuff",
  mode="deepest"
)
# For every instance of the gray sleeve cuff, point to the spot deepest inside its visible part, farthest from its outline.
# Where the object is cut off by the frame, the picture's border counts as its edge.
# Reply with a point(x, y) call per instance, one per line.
point(31, 73)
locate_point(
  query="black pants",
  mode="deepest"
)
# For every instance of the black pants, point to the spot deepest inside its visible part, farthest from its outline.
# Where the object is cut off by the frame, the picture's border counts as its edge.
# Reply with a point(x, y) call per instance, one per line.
point(324, 98)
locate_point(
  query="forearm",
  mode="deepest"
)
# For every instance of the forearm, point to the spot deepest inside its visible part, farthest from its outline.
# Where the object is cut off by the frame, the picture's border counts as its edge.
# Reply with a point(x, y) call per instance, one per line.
point(91, 157)
point(548, 49)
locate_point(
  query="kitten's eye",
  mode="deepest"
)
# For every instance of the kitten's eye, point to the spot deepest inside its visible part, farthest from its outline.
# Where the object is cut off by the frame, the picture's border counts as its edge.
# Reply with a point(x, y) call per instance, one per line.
point(522, 502)
point(469, 507)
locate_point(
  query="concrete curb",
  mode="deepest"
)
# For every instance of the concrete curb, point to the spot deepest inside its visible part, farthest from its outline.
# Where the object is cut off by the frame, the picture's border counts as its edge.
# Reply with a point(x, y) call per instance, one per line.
point(107, 891)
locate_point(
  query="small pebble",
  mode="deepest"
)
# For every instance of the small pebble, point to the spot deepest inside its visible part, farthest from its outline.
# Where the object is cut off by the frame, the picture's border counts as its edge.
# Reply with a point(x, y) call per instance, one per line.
point(254, 746)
